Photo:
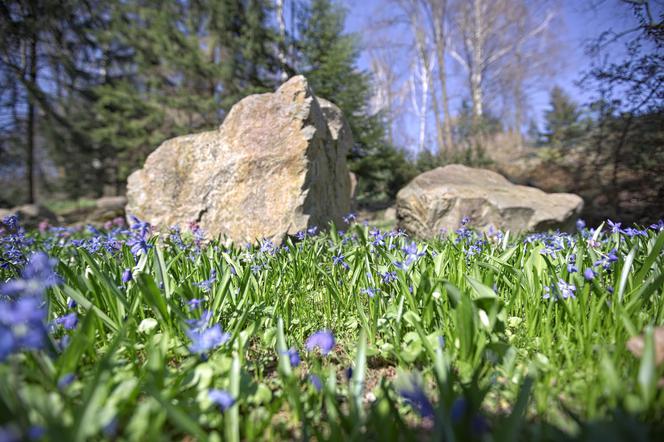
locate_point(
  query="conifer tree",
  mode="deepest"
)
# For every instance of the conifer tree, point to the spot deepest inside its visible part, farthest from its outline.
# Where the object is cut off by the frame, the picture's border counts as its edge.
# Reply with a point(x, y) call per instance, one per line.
point(562, 123)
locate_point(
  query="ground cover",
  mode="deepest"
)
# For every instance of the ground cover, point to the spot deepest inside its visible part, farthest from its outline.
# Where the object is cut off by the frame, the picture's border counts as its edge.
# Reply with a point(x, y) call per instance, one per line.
point(126, 334)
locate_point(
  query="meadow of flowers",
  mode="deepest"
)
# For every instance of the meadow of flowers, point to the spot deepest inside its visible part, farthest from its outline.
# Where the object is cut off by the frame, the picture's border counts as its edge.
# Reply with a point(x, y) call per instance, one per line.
point(124, 333)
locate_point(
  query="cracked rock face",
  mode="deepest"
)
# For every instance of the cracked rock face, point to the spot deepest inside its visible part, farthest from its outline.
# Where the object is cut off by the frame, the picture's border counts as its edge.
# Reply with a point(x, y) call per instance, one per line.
point(277, 165)
point(438, 200)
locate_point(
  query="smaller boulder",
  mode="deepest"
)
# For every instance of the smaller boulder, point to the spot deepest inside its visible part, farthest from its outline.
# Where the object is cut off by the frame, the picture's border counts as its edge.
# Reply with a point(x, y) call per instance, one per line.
point(439, 199)
point(106, 209)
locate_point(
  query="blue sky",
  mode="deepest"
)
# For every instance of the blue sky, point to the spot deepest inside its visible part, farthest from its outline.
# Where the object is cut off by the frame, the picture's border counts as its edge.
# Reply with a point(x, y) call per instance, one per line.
point(576, 23)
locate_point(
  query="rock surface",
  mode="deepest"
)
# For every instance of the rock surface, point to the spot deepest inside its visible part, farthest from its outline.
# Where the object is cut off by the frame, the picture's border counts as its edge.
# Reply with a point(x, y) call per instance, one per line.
point(106, 209)
point(440, 198)
point(277, 165)
point(30, 215)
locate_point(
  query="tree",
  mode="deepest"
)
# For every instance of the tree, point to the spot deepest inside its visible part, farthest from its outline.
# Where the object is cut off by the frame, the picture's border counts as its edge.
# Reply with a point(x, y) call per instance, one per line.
point(629, 107)
point(562, 123)
point(489, 32)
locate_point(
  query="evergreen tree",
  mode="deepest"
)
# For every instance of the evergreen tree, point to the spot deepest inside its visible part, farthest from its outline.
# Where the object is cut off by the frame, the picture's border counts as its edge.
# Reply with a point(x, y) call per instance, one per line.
point(240, 39)
point(184, 65)
point(562, 123)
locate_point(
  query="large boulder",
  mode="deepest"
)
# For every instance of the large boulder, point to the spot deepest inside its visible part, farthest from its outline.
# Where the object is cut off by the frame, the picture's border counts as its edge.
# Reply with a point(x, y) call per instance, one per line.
point(438, 200)
point(277, 165)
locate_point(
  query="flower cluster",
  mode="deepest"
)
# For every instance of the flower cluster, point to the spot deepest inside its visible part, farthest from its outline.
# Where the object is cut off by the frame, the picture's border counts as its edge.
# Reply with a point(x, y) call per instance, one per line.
point(22, 307)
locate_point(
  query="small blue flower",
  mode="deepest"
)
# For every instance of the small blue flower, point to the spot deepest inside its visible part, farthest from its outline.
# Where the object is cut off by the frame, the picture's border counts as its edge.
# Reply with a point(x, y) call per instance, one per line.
point(659, 226)
point(222, 398)
point(36, 277)
point(206, 285)
point(339, 260)
point(65, 380)
point(69, 321)
point(323, 340)
point(589, 274)
point(127, 276)
point(414, 394)
point(566, 290)
point(194, 303)
point(204, 340)
point(613, 227)
point(388, 277)
point(370, 291)
point(35, 432)
point(293, 356)
point(580, 224)
point(316, 382)
point(458, 409)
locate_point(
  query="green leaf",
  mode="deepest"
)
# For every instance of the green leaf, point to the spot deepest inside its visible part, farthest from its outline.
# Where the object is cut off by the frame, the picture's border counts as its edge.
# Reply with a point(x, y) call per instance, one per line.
point(647, 369)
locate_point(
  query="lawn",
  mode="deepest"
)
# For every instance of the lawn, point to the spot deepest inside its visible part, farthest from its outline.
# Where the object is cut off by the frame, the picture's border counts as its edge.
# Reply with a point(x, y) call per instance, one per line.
point(362, 334)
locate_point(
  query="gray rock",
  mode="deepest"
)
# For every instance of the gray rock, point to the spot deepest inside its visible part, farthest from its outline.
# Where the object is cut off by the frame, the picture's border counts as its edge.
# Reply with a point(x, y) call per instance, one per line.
point(439, 199)
point(106, 209)
point(276, 165)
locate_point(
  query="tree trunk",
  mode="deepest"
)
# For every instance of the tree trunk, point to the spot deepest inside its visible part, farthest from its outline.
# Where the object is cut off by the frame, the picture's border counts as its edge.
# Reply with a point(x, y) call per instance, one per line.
point(282, 50)
point(30, 129)
point(439, 36)
point(476, 65)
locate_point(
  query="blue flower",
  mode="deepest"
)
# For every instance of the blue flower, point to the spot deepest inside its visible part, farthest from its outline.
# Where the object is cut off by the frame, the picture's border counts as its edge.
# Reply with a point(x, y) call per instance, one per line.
point(659, 225)
point(613, 227)
point(194, 303)
point(127, 276)
point(138, 245)
point(566, 290)
point(206, 285)
point(11, 223)
point(36, 277)
point(339, 260)
point(316, 382)
point(580, 224)
point(68, 321)
point(323, 340)
point(221, 398)
point(65, 380)
point(388, 277)
point(267, 246)
point(206, 339)
point(293, 356)
point(349, 218)
point(21, 325)
point(370, 291)
point(458, 409)
point(378, 237)
point(607, 260)
point(589, 274)
point(413, 393)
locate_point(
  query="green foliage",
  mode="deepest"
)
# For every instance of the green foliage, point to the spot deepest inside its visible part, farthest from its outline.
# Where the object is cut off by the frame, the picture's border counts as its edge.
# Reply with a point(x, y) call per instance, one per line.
point(463, 336)
point(562, 120)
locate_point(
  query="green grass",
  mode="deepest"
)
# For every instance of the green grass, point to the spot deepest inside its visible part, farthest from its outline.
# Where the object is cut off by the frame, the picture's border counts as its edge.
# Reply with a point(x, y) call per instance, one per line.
point(494, 358)
point(60, 207)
